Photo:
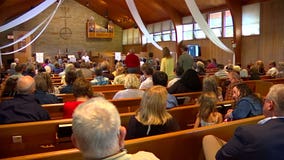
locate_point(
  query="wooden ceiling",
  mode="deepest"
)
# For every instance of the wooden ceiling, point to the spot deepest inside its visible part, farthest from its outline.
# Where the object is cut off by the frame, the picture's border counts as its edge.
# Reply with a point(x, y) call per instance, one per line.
point(151, 11)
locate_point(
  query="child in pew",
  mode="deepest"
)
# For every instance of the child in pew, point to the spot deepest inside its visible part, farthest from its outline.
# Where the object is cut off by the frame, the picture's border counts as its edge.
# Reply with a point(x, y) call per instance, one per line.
point(152, 117)
point(208, 114)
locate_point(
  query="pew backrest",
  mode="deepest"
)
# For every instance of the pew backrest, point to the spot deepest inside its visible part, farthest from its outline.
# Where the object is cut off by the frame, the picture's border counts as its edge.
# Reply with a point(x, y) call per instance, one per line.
point(31, 137)
point(123, 106)
point(187, 98)
point(185, 145)
point(108, 87)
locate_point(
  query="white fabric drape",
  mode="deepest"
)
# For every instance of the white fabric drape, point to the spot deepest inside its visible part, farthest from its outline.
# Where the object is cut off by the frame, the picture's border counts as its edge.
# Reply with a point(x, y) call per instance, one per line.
point(196, 14)
point(139, 22)
point(26, 35)
point(27, 16)
point(39, 34)
point(49, 18)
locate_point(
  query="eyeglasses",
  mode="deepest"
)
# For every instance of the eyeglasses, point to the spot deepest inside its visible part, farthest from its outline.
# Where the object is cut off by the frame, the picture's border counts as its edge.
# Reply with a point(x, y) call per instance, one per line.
point(267, 100)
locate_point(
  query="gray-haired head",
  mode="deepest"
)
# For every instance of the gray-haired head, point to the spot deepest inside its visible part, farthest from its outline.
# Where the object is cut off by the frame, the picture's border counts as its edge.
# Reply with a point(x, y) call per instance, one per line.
point(276, 94)
point(96, 128)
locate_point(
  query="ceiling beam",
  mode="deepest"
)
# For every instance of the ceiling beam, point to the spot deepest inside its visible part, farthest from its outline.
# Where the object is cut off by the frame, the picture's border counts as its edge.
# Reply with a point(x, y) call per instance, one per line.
point(12, 9)
point(172, 13)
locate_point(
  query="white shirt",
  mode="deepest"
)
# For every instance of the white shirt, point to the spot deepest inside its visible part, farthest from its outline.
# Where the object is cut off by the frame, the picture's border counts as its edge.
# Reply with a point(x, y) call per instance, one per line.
point(147, 83)
point(272, 72)
point(86, 58)
point(173, 81)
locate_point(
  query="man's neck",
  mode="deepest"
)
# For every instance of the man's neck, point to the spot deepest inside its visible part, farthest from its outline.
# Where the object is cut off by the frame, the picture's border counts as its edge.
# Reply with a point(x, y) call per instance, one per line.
point(89, 158)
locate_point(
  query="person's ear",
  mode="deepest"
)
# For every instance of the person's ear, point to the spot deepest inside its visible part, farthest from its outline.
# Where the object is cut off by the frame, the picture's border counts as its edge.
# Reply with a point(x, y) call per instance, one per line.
point(271, 106)
point(121, 136)
point(74, 141)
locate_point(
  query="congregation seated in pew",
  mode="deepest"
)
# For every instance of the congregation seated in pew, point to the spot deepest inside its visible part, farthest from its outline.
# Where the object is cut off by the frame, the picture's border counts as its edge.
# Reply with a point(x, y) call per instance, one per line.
point(23, 107)
point(131, 90)
point(70, 77)
point(186, 144)
point(82, 91)
point(98, 134)
point(32, 132)
point(208, 114)
point(247, 103)
point(152, 117)
point(44, 92)
point(99, 79)
point(248, 141)
point(189, 82)
point(161, 78)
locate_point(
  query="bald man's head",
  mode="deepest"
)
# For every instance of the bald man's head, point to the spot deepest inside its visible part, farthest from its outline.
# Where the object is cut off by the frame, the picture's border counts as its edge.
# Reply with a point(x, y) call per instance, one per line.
point(26, 85)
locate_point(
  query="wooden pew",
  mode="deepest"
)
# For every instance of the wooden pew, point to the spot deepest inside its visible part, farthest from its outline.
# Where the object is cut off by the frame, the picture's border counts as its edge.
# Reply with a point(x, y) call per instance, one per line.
point(123, 106)
point(183, 145)
point(108, 87)
point(55, 110)
point(65, 97)
point(187, 98)
point(126, 104)
point(36, 137)
point(57, 80)
point(109, 94)
point(275, 80)
point(262, 86)
point(184, 115)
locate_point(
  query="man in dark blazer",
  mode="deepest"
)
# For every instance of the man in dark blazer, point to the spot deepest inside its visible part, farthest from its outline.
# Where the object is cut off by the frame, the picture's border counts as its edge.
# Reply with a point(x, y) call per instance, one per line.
point(262, 141)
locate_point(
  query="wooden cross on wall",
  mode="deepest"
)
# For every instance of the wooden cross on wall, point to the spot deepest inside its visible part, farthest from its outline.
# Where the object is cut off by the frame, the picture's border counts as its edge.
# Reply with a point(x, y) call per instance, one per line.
point(65, 32)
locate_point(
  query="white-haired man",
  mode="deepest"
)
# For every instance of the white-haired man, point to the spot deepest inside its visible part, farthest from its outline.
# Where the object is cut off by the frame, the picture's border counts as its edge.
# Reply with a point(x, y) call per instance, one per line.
point(97, 132)
point(262, 141)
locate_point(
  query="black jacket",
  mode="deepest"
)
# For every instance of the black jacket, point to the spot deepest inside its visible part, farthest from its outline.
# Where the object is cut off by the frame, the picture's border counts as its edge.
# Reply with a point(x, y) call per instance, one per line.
point(23, 108)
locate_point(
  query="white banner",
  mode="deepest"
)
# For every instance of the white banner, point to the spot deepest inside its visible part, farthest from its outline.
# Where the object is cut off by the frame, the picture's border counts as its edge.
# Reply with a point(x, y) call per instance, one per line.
point(39, 57)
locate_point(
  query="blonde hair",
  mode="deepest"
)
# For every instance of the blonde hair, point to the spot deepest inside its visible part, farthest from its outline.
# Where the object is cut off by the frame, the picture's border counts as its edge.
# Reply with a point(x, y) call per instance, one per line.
point(152, 109)
point(131, 81)
point(207, 102)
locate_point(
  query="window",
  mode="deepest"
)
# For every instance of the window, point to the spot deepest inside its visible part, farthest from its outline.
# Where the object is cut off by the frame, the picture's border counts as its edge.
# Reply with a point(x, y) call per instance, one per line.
point(124, 36)
point(131, 36)
point(215, 23)
point(188, 32)
point(173, 35)
point(228, 24)
point(251, 19)
point(158, 37)
point(136, 36)
point(198, 33)
point(166, 35)
point(220, 22)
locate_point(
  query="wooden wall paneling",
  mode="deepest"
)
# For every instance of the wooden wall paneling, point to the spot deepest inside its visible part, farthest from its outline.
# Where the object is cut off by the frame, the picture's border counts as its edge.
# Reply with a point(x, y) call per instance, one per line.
point(272, 31)
point(269, 45)
point(26, 53)
point(236, 11)
point(250, 49)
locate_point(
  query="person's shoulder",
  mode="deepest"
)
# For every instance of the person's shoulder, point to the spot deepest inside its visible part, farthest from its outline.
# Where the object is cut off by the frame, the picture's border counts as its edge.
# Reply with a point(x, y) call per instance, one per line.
point(246, 130)
point(142, 155)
